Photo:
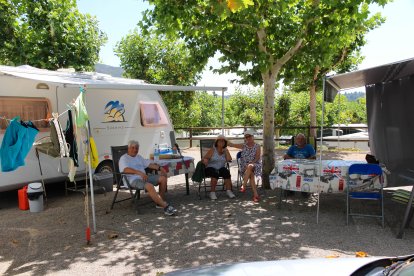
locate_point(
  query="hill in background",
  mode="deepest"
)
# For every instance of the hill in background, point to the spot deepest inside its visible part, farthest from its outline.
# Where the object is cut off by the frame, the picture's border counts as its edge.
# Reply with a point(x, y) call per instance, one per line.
point(353, 96)
point(109, 70)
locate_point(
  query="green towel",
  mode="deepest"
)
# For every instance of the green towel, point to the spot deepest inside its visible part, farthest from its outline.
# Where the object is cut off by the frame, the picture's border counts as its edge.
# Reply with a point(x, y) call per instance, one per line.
point(198, 174)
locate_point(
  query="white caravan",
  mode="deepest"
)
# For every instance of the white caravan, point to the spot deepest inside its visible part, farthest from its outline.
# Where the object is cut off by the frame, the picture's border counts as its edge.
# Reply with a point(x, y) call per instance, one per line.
point(119, 110)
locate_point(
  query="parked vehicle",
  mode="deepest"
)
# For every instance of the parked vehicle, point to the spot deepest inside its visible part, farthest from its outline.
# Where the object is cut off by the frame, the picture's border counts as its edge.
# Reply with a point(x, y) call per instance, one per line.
point(119, 110)
point(374, 266)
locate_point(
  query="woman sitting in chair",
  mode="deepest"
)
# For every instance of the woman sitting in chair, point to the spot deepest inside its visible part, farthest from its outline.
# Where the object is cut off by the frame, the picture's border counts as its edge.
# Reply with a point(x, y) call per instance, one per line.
point(250, 165)
point(215, 162)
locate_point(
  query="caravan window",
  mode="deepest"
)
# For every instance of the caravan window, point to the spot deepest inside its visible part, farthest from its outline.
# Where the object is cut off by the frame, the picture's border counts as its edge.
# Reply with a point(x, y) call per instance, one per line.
point(152, 114)
point(29, 109)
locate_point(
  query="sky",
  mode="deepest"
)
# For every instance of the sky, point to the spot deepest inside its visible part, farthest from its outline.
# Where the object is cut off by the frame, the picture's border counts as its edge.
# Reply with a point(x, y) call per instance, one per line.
point(392, 41)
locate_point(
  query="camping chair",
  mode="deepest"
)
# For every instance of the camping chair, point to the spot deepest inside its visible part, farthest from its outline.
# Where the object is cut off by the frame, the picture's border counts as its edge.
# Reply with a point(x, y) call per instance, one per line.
point(121, 179)
point(205, 145)
point(367, 174)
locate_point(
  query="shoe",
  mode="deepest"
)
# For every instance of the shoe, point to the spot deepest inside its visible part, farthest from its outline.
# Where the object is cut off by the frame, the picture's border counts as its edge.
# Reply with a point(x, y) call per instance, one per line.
point(242, 189)
point(169, 210)
point(256, 198)
point(230, 194)
point(213, 196)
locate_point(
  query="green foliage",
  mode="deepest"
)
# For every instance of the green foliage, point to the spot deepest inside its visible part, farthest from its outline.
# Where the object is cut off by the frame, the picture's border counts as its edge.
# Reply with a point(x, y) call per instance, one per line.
point(282, 109)
point(208, 109)
point(8, 15)
point(158, 59)
point(245, 108)
point(51, 34)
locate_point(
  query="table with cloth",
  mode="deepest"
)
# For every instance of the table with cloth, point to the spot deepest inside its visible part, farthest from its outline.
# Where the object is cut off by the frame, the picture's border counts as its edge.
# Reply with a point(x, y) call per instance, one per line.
point(305, 176)
point(176, 167)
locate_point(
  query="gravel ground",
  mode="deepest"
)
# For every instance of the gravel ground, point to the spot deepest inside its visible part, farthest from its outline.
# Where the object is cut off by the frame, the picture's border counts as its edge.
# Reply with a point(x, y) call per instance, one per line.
point(140, 240)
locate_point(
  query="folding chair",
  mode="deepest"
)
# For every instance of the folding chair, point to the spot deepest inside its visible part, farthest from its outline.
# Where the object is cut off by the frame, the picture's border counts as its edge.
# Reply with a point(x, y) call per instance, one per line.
point(121, 179)
point(362, 188)
point(205, 146)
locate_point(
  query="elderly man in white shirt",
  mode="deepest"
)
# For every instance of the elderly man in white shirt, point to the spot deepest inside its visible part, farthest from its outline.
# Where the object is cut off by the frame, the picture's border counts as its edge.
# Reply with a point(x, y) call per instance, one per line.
point(134, 165)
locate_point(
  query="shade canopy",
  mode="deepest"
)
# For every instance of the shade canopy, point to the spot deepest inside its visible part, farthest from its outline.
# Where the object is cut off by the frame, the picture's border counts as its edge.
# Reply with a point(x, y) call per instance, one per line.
point(380, 74)
point(389, 99)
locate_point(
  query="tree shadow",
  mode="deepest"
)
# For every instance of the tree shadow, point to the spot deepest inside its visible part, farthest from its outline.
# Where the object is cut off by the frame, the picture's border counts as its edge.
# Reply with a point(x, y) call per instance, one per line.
point(142, 240)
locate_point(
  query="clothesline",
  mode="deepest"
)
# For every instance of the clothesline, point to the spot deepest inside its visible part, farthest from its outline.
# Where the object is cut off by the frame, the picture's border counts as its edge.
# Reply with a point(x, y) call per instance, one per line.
point(39, 120)
point(81, 89)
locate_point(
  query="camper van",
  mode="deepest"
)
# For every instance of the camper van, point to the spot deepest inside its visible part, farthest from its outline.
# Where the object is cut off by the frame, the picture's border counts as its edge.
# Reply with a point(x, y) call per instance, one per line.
point(119, 110)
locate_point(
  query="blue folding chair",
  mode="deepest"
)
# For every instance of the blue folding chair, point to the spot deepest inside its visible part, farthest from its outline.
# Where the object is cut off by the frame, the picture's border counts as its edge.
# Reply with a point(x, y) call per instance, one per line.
point(362, 188)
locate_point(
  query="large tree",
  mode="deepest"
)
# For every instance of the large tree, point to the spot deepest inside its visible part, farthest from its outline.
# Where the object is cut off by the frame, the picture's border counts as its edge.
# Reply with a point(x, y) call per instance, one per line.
point(159, 59)
point(49, 34)
point(256, 38)
point(336, 49)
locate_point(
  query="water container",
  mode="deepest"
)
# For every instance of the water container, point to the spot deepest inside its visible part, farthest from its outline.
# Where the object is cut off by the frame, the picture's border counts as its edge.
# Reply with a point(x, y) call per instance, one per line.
point(35, 196)
point(23, 200)
point(156, 153)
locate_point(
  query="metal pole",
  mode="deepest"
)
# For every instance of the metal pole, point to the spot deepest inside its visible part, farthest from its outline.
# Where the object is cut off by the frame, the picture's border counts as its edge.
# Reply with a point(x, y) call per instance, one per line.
point(320, 147)
point(91, 176)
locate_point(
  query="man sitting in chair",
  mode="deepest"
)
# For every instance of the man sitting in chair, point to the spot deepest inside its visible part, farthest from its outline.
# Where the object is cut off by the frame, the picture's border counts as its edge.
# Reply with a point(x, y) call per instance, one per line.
point(134, 164)
point(301, 150)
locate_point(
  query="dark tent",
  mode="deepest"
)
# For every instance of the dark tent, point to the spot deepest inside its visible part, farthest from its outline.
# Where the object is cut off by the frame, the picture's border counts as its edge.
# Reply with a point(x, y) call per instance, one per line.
point(390, 98)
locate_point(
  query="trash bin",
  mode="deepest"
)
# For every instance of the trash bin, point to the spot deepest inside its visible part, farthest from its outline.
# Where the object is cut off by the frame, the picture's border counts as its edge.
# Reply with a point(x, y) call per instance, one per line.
point(35, 196)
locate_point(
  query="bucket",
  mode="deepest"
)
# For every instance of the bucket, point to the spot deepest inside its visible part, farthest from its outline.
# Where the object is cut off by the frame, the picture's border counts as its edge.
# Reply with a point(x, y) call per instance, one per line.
point(35, 196)
point(23, 200)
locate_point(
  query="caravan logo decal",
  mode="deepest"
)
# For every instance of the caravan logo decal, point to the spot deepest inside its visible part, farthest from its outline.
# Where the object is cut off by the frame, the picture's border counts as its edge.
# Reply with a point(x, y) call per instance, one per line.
point(114, 112)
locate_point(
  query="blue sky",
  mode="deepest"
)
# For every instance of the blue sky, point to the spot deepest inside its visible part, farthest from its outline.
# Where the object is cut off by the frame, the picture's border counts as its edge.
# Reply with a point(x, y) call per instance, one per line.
point(392, 41)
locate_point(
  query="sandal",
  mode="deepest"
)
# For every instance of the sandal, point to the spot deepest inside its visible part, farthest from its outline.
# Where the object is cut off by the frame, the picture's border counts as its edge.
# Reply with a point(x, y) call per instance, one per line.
point(256, 198)
point(242, 189)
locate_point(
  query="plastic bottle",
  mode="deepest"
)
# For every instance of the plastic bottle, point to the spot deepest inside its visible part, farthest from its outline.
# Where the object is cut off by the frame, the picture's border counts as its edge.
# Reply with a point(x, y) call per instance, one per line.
point(156, 153)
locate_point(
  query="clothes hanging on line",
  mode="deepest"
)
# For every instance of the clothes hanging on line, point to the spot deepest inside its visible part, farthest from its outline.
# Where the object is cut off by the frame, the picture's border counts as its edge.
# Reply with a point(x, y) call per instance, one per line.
point(55, 144)
point(70, 137)
point(17, 142)
point(81, 113)
point(94, 153)
point(71, 140)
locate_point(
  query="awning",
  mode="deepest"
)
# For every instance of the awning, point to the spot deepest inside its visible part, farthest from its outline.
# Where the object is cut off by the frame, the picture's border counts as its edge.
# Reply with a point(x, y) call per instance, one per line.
point(379, 74)
point(94, 80)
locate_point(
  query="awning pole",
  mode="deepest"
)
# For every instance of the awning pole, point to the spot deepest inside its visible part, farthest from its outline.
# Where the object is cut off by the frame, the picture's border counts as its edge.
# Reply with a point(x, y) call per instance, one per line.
point(88, 133)
point(320, 147)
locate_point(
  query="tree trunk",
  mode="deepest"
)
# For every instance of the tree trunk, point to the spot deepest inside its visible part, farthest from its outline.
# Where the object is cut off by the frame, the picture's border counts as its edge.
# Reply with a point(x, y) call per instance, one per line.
point(277, 135)
point(269, 81)
point(312, 105)
point(312, 102)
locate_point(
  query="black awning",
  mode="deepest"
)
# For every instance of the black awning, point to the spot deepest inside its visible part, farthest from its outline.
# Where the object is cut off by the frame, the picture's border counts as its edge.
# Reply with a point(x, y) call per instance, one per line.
point(380, 74)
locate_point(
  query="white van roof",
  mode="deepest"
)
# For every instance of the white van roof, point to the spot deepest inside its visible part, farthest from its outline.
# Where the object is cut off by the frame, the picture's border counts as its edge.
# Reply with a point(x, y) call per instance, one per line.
point(94, 80)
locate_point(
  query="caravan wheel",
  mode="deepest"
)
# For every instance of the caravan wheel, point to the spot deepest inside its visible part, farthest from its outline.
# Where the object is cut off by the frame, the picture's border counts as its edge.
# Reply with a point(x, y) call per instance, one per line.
point(105, 167)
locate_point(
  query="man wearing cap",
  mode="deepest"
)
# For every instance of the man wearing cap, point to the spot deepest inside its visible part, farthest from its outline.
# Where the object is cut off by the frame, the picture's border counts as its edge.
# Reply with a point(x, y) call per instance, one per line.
point(215, 161)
